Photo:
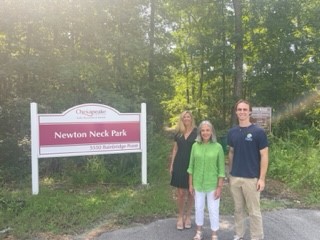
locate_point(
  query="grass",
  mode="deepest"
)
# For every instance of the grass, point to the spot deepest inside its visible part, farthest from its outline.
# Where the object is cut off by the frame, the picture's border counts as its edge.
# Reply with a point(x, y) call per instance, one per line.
point(69, 211)
point(65, 209)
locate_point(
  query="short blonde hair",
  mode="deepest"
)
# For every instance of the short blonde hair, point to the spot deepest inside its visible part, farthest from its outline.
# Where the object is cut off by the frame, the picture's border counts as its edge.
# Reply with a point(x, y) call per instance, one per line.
point(213, 132)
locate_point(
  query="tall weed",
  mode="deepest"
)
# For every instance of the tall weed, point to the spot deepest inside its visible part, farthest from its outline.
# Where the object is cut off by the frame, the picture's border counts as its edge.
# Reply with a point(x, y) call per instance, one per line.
point(294, 160)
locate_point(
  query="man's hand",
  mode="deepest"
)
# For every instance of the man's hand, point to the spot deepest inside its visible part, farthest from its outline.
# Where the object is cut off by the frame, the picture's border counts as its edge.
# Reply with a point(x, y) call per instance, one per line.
point(261, 185)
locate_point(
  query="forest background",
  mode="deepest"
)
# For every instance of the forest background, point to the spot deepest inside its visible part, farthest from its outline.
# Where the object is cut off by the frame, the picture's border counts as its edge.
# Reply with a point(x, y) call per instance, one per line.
point(174, 55)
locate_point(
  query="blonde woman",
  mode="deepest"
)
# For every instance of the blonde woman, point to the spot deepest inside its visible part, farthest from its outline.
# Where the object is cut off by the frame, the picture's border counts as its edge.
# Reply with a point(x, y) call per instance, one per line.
point(183, 140)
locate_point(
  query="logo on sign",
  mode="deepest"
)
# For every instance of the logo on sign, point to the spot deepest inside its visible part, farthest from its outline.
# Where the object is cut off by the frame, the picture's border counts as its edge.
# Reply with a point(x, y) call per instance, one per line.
point(90, 113)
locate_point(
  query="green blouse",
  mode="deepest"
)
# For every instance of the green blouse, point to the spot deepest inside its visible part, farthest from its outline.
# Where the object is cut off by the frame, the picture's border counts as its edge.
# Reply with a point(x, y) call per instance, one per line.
point(207, 164)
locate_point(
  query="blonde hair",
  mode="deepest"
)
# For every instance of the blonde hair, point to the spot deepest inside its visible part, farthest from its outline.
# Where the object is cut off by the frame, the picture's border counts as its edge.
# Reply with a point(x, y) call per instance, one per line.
point(213, 132)
point(180, 126)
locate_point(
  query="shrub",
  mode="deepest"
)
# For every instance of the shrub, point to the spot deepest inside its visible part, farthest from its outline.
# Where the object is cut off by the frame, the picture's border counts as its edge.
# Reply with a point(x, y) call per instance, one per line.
point(294, 160)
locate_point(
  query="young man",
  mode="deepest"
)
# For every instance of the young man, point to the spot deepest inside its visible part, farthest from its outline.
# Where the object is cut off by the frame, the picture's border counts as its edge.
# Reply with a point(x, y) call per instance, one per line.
point(248, 164)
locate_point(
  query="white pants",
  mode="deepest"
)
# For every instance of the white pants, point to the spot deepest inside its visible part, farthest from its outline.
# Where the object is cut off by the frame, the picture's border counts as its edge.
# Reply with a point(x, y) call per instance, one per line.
point(213, 208)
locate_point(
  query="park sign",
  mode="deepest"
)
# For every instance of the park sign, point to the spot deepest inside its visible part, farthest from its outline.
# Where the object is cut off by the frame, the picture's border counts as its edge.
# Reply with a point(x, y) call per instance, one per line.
point(262, 117)
point(87, 129)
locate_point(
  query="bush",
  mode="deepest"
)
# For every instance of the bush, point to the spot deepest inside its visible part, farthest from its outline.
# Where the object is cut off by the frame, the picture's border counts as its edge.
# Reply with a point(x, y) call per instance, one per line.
point(294, 160)
point(88, 190)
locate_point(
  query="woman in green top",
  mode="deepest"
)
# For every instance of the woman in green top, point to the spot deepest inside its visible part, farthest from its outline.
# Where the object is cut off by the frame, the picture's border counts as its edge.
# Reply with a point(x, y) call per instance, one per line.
point(206, 173)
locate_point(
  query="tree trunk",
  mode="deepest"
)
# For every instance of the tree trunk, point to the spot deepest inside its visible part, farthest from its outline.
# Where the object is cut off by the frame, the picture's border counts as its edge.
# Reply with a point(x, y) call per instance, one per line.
point(238, 92)
point(151, 39)
point(238, 49)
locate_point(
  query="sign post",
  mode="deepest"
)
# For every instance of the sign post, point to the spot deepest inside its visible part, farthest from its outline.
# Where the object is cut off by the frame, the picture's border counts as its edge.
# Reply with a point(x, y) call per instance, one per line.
point(34, 148)
point(87, 129)
point(143, 128)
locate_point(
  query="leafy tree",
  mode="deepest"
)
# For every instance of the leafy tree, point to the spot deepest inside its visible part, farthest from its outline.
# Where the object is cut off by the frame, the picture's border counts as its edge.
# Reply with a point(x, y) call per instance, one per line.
point(174, 55)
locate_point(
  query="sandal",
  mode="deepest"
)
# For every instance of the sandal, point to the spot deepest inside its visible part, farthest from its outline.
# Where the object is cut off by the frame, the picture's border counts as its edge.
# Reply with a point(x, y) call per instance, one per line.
point(187, 223)
point(198, 235)
point(214, 237)
point(180, 224)
point(237, 238)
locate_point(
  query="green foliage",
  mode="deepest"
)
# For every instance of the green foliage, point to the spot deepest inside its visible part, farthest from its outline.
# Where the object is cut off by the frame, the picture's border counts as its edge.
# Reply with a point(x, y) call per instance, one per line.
point(14, 141)
point(70, 206)
point(299, 117)
point(153, 202)
point(63, 210)
point(60, 54)
point(64, 53)
point(201, 78)
point(295, 161)
point(94, 171)
point(99, 189)
point(161, 150)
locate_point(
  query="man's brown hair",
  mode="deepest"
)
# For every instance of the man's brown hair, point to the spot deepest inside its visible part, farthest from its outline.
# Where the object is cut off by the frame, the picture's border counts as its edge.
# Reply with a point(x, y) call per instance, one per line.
point(242, 101)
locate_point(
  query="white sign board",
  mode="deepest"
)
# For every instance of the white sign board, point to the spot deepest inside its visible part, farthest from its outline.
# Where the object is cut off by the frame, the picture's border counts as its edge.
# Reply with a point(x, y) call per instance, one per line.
point(87, 129)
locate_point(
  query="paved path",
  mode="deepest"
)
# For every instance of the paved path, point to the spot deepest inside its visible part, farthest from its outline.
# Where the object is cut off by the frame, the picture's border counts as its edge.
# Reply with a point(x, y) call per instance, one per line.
point(288, 224)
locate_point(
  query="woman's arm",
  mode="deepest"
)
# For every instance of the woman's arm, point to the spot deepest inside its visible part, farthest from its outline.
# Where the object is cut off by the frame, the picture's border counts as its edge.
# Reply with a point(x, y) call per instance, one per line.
point(173, 155)
point(218, 191)
point(191, 189)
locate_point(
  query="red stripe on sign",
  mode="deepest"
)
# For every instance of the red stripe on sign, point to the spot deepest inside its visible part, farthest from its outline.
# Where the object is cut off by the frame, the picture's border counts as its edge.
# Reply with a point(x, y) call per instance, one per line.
point(79, 133)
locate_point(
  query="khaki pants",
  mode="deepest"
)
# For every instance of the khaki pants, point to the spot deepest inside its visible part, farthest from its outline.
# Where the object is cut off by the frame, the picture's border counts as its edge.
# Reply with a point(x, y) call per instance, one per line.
point(246, 197)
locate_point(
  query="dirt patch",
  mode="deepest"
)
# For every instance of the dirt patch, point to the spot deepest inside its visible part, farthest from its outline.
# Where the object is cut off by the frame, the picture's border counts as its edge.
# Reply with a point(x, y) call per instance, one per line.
point(42, 236)
point(278, 190)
